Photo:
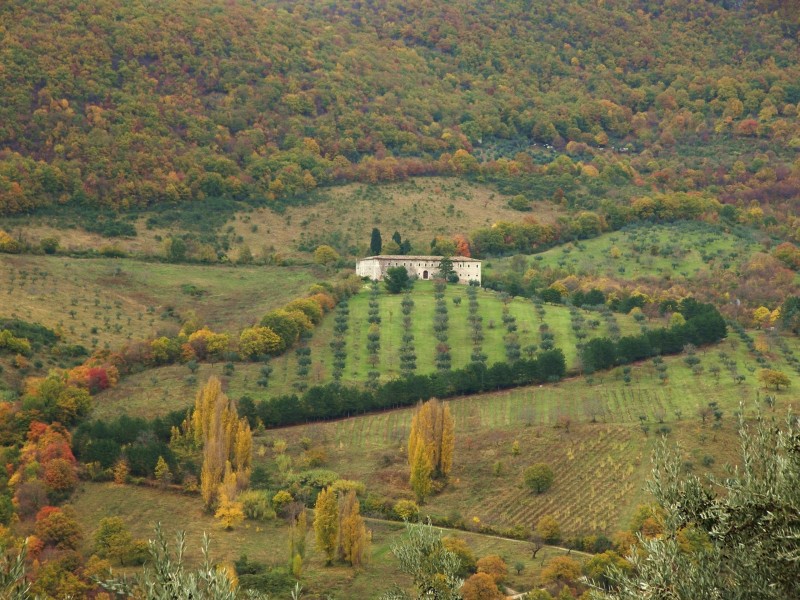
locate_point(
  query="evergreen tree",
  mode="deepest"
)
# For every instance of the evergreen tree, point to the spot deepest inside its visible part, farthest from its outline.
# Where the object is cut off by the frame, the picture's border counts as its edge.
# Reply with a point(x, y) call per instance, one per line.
point(375, 242)
point(396, 279)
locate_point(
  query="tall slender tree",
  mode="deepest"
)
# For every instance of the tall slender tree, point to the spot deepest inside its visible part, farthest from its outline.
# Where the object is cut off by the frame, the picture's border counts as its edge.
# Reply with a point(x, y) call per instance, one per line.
point(432, 428)
point(420, 478)
point(375, 242)
point(354, 537)
point(326, 523)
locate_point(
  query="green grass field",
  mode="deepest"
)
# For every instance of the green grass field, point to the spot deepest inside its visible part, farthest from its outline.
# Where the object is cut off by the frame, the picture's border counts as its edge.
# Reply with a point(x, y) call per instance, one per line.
point(671, 251)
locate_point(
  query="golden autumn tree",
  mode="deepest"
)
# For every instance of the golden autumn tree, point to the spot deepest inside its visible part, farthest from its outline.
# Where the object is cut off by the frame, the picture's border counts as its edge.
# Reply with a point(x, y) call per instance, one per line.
point(229, 512)
point(354, 537)
point(226, 442)
point(432, 429)
point(326, 523)
point(420, 478)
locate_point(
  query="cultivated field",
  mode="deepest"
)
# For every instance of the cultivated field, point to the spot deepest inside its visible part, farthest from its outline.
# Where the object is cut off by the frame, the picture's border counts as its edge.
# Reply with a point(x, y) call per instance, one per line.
point(104, 302)
point(670, 252)
point(168, 387)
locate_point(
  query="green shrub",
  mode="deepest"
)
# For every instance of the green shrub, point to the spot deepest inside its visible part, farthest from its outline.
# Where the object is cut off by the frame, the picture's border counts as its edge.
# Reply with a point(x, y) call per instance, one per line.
point(407, 510)
point(343, 486)
point(256, 505)
point(539, 477)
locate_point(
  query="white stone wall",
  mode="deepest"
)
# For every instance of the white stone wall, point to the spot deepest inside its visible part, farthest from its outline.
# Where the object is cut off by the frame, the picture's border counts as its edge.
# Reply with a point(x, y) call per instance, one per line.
point(369, 267)
point(467, 271)
point(419, 267)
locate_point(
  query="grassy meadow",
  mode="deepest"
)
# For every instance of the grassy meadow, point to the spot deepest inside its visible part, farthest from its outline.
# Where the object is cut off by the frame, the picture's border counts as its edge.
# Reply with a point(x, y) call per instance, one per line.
point(419, 209)
point(672, 252)
point(142, 508)
point(105, 302)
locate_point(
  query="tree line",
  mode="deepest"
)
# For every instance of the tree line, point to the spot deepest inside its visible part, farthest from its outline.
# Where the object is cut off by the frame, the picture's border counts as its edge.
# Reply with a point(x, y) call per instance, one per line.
point(703, 324)
point(334, 400)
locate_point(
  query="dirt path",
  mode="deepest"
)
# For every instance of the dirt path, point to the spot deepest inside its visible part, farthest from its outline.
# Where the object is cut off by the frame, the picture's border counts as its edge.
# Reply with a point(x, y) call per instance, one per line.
point(487, 535)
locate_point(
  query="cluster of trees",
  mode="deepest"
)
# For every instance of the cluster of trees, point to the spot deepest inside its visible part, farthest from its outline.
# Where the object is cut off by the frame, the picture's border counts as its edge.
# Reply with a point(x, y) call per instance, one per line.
point(397, 245)
point(335, 400)
point(277, 331)
point(46, 473)
point(476, 327)
point(338, 343)
point(441, 323)
point(373, 334)
point(226, 445)
point(702, 324)
point(339, 527)
point(129, 446)
point(10, 343)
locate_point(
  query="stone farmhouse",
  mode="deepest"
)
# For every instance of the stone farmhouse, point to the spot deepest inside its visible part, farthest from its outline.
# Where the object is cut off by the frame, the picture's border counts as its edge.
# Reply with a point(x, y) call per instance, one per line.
point(421, 267)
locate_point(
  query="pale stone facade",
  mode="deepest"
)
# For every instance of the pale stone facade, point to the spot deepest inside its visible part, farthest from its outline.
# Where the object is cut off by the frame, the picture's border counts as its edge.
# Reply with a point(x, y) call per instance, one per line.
point(421, 267)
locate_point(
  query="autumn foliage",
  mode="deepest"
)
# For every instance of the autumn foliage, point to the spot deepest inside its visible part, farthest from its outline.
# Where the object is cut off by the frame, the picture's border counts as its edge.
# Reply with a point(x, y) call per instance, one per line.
point(226, 444)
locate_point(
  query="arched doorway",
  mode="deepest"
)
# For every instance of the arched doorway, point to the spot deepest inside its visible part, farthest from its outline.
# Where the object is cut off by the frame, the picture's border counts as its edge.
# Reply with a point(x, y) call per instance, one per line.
point(424, 274)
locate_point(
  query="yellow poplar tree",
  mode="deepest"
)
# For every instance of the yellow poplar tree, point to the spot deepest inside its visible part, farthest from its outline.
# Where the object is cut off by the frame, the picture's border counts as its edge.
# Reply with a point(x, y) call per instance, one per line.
point(297, 535)
point(421, 474)
point(163, 474)
point(326, 522)
point(432, 428)
point(230, 513)
point(224, 438)
point(243, 453)
point(353, 534)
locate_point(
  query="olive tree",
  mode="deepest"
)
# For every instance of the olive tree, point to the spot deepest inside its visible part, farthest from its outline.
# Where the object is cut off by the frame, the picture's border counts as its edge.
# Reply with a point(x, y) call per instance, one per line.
point(735, 538)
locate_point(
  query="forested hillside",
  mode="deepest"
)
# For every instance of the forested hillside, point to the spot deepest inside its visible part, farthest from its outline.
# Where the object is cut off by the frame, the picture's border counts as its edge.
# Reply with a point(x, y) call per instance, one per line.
point(131, 103)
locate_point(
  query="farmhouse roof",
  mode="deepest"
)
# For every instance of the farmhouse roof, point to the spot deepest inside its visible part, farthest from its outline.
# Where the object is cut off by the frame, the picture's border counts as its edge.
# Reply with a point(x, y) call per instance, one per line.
point(409, 257)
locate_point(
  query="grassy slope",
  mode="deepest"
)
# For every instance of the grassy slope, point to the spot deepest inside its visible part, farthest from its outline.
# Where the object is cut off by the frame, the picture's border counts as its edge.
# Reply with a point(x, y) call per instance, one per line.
point(672, 252)
point(420, 209)
point(142, 508)
point(600, 467)
point(164, 389)
point(611, 454)
point(126, 299)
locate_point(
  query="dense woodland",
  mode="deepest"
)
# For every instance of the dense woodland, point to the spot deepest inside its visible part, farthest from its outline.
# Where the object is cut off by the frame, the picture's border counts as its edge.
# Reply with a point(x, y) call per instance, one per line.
point(132, 104)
